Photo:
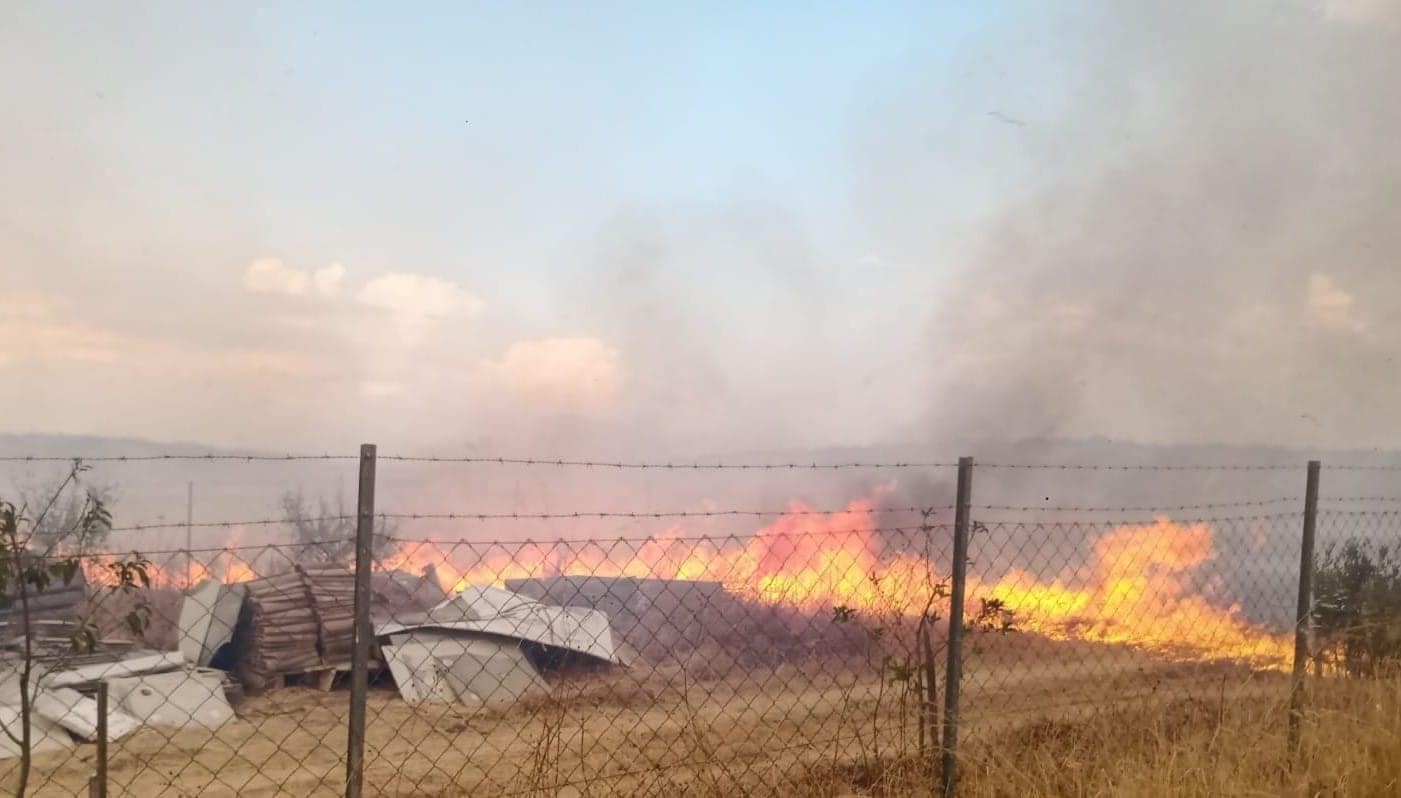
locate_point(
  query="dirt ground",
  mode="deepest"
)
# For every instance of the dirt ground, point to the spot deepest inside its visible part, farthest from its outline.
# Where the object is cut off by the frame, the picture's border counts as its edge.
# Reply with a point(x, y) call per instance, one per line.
point(655, 733)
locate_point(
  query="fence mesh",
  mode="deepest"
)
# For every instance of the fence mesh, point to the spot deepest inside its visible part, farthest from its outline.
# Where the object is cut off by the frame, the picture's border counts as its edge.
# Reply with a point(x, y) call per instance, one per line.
point(645, 666)
point(1127, 613)
point(792, 652)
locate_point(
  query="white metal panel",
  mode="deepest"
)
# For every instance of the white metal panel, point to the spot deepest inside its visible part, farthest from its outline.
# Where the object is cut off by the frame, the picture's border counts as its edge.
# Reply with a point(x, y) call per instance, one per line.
point(494, 673)
point(78, 714)
point(178, 698)
point(419, 675)
point(196, 615)
point(500, 612)
point(146, 663)
point(44, 734)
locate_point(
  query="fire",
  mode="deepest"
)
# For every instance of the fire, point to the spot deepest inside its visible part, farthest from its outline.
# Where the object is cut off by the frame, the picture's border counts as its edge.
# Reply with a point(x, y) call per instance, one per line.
point(228, 566)
point(1137, 589)
point(808, 560)
point(1138, 592)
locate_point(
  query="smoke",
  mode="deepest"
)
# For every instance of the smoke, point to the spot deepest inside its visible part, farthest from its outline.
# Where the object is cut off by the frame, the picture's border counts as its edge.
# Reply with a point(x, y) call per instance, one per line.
point(1164, 222)
point(1196, 238)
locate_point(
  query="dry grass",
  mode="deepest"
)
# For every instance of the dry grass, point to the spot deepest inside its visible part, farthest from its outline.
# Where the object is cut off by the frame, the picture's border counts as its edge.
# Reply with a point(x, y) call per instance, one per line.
point(1036, 724)
point(1210, 746)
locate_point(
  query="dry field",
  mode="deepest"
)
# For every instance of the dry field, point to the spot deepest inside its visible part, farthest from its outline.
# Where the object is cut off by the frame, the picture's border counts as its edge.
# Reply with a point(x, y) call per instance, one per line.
point(1040, 719)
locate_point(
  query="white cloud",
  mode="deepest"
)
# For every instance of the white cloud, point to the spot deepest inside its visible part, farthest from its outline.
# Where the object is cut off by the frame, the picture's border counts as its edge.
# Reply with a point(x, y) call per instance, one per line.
point(1330, 307)
point(326, 281)
point(273, 276)
point(572, 376)
point(417, 296)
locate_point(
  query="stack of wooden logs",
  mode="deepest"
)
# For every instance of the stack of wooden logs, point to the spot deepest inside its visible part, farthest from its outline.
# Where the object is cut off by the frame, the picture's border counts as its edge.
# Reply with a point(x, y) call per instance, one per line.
point(333, 600)
point(297, 621)
point(282, 629)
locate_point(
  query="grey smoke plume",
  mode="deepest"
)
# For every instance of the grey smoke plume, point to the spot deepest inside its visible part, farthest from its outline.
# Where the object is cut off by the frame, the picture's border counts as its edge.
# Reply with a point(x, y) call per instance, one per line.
point(1203, 243)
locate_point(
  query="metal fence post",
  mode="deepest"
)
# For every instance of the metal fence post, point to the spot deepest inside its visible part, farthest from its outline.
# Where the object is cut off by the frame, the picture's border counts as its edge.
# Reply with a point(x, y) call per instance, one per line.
point(360, 656)
point(97, 788)
point(961, 523)
point(1303, 618)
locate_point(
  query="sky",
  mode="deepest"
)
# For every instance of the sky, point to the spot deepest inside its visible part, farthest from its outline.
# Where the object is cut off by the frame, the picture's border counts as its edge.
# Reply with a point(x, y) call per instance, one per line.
point(700, 227)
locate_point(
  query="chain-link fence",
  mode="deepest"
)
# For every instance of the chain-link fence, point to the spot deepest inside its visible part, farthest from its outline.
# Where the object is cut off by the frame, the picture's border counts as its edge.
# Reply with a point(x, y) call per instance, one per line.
point(810, 654)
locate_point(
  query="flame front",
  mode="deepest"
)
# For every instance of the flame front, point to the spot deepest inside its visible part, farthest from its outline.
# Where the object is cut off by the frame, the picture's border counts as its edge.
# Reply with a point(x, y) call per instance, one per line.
point(1136, 590)
point(1139, 592)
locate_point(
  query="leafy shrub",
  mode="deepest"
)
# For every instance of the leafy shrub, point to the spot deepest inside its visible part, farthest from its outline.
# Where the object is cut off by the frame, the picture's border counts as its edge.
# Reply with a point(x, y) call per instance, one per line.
point(1357, 608)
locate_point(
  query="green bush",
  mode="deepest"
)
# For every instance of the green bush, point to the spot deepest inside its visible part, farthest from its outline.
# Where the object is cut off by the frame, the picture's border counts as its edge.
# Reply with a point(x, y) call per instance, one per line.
point(1357, 608)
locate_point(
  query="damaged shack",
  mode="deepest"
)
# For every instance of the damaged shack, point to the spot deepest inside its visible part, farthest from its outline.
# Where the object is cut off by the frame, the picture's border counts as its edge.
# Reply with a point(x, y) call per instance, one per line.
point(487, 645)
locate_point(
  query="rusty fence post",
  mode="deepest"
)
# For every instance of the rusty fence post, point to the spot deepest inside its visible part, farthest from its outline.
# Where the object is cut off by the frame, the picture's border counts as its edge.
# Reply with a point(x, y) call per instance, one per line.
point(1303, 617)
point(954, 673)
point(360, 656)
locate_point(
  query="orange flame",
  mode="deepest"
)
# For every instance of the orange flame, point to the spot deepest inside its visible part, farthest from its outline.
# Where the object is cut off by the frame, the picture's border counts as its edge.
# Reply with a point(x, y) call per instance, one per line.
point(1136, 591)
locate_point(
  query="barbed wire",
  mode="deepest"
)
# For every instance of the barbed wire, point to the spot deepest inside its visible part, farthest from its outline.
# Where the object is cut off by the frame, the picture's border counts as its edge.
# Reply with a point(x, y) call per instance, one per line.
point(794, 466)
point(677, 466)
point(637, 515)
point(691, 465)
point(1165, 508)
point(979, 524)
point(1360, 467)
point(673, 465)
point(144, 458)
point(228, 549)
point(1062, 525)
point(470, 515)
point(228, 524)
point(664, 538)
point(1379, 514)
point(1140, 467)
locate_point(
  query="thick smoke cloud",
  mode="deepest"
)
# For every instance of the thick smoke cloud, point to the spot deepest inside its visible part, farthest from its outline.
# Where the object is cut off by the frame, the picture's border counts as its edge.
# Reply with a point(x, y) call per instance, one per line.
point(1200, 241)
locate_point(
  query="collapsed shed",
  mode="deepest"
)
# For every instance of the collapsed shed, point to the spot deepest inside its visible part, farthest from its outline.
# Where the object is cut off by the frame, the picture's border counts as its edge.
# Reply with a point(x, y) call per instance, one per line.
point(487, 645)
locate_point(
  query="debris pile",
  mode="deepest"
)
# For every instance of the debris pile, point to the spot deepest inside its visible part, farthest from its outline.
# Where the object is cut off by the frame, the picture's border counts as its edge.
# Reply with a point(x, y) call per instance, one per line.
point(294, 622)
point(145, 688)
point(487, 646)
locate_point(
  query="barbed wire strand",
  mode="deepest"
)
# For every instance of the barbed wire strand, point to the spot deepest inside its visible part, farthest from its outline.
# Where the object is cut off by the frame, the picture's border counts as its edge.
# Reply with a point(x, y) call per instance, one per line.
point(673, 465)
point(471, 515)
point(146, 458)
point(229, 524)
